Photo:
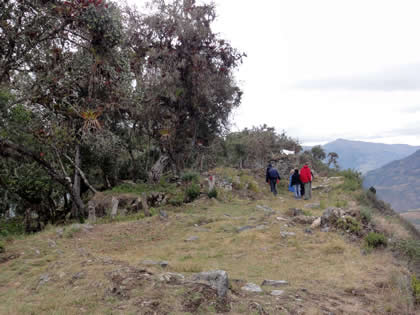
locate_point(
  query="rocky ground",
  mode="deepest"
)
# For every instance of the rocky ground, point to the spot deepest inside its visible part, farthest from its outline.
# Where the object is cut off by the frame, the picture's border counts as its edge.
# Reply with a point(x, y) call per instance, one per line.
point(272, 255)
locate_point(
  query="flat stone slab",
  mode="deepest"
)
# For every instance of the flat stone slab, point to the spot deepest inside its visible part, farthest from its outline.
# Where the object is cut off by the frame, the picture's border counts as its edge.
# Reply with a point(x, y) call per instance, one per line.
point(149, 262)
point(286, 234)
point(274, 283)
point(281, 219)
point(261, 227)
point(277, 292)
point(265, 208)
point(252, 287)
point(244, 228)
point(192, 238)
point(313, 205)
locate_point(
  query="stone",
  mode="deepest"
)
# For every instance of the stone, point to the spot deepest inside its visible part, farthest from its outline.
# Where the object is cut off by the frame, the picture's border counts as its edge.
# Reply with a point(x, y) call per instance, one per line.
point(149, 262)
point(44, 278)
point(281, 219)
point(192, 238)
point(91, 211)
point(274, 283)
point(217, 279)
point(308, 231)
point(316, 205)
point(286, 234)
point(331, 215)
point(244, 228)
point(293, 212)
point(163, 214)
point(171, 277)
point(265, 208)
point(252, 287)
point(325, 229)
point(87, 227)
point(114, 209)
point(277, 292)
point(304, 219)
point(59, 232)
point(261, 227)
point(316, 223)
point(52, 243)
point(163, 263)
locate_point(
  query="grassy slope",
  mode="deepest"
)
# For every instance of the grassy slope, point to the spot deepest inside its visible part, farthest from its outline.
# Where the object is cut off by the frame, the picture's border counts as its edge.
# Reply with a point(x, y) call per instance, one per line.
point(99, 271)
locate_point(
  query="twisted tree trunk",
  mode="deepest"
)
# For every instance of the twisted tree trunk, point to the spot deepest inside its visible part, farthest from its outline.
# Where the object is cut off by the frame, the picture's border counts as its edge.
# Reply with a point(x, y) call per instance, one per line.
point(157, 169)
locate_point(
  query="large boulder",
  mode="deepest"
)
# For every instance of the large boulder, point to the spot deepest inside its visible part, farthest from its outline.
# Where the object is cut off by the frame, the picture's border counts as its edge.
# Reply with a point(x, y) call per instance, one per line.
point(216, 279)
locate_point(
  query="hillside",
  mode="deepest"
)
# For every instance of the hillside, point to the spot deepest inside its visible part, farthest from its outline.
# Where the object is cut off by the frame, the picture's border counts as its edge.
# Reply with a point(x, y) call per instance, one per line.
point(397, 182)
point(412, 216)
point(136, 265)
point(366, 156)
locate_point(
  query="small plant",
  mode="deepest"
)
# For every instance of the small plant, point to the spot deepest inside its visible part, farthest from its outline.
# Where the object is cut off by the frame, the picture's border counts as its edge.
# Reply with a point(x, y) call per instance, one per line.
point(375, 240)
point(212, 193)
point(415, 285)
point(253, 186)
point(192, 192)
point(190, 177)
point(349, 224)
point(366, 215)
point(2, 247)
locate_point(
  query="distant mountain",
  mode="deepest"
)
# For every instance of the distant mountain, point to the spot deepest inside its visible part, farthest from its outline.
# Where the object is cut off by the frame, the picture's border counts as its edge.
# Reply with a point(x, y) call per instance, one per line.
point(366, 156)
point(398, 182)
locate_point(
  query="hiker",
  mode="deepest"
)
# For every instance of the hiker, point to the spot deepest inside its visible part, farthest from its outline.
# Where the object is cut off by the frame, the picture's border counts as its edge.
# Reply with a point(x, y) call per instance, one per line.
point(296, 184)
point(291, 187)
point(272, 176)
point(306, 178)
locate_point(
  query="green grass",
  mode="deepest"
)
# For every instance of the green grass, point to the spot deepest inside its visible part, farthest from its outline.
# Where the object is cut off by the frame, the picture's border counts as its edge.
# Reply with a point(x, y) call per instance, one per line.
point(375, 240)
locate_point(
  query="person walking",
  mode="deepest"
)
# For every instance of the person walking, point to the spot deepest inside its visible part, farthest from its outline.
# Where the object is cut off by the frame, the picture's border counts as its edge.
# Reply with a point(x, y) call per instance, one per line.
point(271, 176)
point(296, 183)
point(306, 178)
point(291, 187)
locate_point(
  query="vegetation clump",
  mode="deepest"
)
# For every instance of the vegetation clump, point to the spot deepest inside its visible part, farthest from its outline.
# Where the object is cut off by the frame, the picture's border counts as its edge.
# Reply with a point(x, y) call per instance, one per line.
point(192, 192)
point(2, 247)
point(212, 193)
point(349, 224)
point(415, 285)
point(375, 240)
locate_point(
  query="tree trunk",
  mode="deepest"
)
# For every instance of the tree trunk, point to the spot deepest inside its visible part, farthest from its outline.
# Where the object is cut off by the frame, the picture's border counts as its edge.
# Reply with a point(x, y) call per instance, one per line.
point(157, 169)
point(76, 182)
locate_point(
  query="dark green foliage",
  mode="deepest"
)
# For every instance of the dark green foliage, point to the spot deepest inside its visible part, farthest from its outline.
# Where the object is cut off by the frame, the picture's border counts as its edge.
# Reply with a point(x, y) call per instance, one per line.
point(2, 247)
point(375, 240)
point(176, 200)
point(192, 192)
point(349, 224)
point(318, 152)
point(212, 193)
point(190, 177)
point(410, 249)
point(11, 227)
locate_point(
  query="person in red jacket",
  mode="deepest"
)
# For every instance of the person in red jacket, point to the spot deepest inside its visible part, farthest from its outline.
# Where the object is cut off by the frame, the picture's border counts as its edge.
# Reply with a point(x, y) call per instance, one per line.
point(306, 179)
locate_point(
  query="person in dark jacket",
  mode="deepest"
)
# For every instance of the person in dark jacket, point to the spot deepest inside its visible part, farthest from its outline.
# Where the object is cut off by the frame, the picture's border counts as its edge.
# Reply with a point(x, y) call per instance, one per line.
point(296, 183)
point(271, 176)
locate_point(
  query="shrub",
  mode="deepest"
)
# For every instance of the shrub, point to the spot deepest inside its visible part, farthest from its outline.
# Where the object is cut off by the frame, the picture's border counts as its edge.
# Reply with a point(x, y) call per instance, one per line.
point(366, 215)
point(409, 248)
point(176, 200)
point(2, 247)
point(352, 180)
point(375, 240)
point(192, 192)
point(212, 193)
point(190, 177)
point(415, 285)
point(349, 224)
point(253, 186)
point(11, 227)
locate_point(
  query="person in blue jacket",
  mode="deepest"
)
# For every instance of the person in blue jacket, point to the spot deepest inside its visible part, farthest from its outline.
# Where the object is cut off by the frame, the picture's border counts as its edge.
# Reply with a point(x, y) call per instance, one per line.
point(272, 175)
point(291, 187)
point(296, 183)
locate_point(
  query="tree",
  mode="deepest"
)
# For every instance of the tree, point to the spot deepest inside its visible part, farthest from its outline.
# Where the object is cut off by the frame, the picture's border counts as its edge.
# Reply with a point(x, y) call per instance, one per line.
point(185, 73)
point(318, 153)
point(332, 159)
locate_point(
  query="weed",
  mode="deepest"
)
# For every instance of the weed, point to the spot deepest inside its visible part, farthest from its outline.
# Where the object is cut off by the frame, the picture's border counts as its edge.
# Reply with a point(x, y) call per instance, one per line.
point(212, 193)
point(366, 215)
point(375, 240)
point(349, 224)
point(190, 177)
point(415, 285)
point(192, 192)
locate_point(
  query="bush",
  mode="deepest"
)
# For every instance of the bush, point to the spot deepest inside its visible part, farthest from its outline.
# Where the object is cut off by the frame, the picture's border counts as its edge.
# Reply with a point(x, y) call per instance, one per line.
point(176, 200)
point(366, 215)
point(415, 285)
point(352, 180)
point(409, 248)
point(349, 224)
point(190, 177)
point(2, 247)
point(212, 193)
point(375, 240)
point(11, 227)
point(192, 192)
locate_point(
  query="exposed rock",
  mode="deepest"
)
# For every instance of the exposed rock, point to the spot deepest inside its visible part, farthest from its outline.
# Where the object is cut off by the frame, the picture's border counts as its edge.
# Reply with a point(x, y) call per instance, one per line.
point(286, 234)
point(281, 219)
point(293, 212)
point(217, 279)
point(114, 209)
point(244, 228)
point(274, 283)
point(277, 292)
point(163, 214)
point(148, 262)
point(261, 227)
point(316, 223)
point(325, 229)
point(331, 215)
point(313, 205)
point(171, 277)
point(59, 232)
point(44, 278)
point(265, 209)
point(192, 238)
point(304, 219)
point(308, 231)
point(252, 287)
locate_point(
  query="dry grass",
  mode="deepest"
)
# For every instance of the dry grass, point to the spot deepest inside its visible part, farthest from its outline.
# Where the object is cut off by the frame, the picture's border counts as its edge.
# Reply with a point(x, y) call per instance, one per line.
point(325, 271)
